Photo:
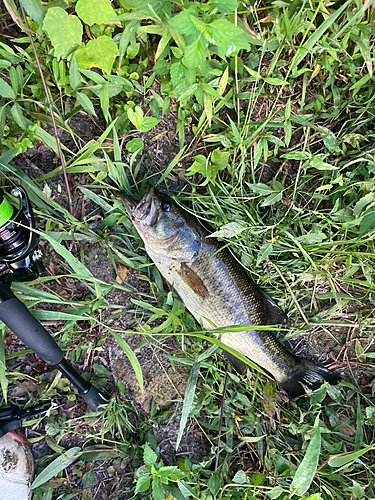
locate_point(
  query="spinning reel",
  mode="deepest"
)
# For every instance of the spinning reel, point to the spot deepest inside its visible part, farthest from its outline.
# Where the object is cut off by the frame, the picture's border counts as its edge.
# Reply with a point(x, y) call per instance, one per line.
point(20, 261)
point(19, 253)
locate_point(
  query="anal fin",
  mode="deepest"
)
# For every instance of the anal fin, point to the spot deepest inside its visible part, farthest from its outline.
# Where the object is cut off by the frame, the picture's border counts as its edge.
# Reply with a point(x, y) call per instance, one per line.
point(237, 364)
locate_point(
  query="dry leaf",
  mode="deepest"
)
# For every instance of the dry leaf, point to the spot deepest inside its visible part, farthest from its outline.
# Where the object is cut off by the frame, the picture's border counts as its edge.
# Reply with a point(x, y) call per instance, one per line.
point(121, 273)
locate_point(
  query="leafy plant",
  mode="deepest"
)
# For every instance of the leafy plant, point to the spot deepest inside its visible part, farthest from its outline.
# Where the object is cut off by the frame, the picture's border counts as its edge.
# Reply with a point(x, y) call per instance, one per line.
point(157, 477)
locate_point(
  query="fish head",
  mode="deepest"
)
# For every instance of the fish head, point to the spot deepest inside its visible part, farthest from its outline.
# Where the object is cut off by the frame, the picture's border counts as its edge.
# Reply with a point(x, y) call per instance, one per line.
point(166, 229)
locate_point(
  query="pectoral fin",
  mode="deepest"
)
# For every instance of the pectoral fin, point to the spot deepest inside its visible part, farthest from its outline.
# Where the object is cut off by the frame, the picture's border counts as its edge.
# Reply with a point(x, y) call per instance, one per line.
point(192, 280)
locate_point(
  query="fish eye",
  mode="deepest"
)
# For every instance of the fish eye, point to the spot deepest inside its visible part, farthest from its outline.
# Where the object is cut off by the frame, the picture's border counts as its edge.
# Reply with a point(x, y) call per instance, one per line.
point(165, 206)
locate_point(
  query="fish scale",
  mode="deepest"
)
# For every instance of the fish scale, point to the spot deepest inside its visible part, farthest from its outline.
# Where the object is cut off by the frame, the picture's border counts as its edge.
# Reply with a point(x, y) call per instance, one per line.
point(217, 291)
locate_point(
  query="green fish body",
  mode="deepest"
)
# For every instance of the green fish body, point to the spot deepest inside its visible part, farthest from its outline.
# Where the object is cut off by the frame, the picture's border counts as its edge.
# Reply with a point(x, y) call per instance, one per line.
point(217, 291)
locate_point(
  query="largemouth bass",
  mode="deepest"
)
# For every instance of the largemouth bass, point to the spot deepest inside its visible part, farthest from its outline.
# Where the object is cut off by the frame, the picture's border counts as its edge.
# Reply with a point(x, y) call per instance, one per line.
point(216, 289)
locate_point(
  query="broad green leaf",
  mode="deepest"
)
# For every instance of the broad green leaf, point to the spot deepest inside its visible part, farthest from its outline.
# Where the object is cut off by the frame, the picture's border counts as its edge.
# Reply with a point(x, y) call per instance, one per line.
point(95, 11)
point(264, 252)
point(252, 439)
point(357, 490)
point(158, 492)
point(143, 484)
point(314, 496)
point(240, 477)
point(135, 145)
point(261, 188)
point(345, 458)
point(362, 202)
point(4, 64)
point(235, 131)
point(95, 77)
point(136, 116)
point(172, 472)
point(74, 74)
point(229, 230)
point(183, 22)
point(120, 82)
point(186, 489)
point(229, 38)
point(85, 102)
point(162, 45)
point(367, 224)
point(149, 456)
point(225, 6)
point(188, 400)
point(58, 315)
point(127, 34)
point(195, 54)
point(296, 155)
point(64, 30)
point(177, 71)
point(330, 141)
point(100, 53)
point(275, 492)
point(273, 81)
point(59, 464)
point(6, 90)
point(18, 117)
point(207, 103)
point(148, 123)
point(132, 358)
point(272, 199)
point(307, 468)
point(223, 81)
point(210, 91)
point(213, 483)
point(319, 164)
point(34, 10)
point(104, 101)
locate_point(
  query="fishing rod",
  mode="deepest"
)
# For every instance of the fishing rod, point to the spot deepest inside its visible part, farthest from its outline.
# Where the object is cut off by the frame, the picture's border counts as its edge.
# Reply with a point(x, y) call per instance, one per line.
point(20, 260)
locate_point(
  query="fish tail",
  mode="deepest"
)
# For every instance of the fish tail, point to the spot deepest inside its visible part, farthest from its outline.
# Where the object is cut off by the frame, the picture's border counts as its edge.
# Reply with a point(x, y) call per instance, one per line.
point(310, 375)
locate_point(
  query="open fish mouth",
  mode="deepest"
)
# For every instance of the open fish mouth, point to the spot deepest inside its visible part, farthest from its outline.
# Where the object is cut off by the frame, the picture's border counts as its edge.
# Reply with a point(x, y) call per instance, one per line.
point(146, 212)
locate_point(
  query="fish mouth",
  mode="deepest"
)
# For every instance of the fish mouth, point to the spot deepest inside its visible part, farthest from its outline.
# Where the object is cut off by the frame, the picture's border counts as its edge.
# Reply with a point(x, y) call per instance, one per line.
point(129, 204)
point(145, 212)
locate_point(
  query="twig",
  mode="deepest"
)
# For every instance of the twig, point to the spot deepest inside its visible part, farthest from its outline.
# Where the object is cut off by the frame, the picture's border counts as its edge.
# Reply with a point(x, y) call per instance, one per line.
point(50, 110)
point(221, 421)
point(236, 74)
point(351, 372)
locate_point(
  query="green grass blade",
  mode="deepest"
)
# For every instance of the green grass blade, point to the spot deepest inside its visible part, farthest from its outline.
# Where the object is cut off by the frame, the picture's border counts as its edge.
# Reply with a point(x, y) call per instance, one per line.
point(343, 459)
point(171, 166)
point(59, 464)
point(307, 468)
point(132, 358)
point(188, 400)
point(317, 35)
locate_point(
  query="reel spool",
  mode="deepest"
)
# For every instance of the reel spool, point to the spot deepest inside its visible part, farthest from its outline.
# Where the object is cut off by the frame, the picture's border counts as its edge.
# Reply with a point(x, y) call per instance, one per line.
point(19, 256)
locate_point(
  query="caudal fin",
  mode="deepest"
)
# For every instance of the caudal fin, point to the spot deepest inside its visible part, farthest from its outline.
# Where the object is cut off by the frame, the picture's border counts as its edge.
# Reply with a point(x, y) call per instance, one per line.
point(310, 375)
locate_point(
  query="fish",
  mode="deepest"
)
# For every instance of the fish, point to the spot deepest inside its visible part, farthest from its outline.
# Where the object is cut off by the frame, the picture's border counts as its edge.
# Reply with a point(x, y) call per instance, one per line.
point(217, 290)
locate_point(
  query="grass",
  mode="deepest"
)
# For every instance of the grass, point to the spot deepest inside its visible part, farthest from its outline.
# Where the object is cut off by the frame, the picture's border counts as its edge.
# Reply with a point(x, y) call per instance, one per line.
point(279, 99)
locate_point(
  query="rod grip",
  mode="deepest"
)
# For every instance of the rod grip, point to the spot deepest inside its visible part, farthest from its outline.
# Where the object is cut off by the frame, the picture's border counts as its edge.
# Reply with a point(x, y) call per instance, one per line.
point(18, 318)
